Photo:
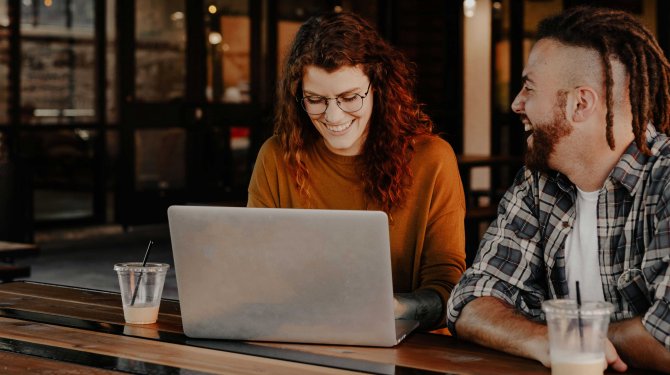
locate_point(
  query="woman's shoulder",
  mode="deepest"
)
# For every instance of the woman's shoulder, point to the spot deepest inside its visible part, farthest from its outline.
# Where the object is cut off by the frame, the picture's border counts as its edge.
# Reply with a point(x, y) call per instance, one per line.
point(271, 144)
point(271, 147)
point(433, 147)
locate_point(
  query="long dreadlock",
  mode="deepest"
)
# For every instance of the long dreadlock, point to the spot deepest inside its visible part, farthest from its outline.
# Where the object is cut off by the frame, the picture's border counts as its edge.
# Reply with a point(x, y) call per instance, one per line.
point(615, 33)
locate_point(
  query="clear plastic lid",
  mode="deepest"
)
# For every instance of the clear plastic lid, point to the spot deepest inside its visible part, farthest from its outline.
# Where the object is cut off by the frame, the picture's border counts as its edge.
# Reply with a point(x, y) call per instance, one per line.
point(137, 267)
point(568, 307)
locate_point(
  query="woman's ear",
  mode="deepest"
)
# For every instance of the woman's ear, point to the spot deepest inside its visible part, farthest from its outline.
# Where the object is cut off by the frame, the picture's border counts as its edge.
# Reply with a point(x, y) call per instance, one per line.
point(586, 103)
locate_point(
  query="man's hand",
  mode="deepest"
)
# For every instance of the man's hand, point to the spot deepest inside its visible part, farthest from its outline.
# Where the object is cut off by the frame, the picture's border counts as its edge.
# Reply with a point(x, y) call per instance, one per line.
point(613, 359)
point(637, 346)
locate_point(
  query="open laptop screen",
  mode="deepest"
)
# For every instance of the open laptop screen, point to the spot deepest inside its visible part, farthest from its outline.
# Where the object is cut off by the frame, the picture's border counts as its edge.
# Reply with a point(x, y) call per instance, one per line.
point(294, 275)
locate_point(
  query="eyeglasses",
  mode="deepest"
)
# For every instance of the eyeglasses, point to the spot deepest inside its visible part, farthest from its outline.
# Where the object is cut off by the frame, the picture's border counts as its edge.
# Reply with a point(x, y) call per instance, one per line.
point(316, 105)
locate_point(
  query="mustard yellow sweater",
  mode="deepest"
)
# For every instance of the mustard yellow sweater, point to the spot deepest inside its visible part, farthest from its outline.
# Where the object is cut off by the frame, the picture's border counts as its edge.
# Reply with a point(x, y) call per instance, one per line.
point(427, 233)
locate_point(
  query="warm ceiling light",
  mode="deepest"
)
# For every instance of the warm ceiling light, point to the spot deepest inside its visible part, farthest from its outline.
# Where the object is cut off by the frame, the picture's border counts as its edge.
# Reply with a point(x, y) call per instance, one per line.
point(215, 38)
point(469, 8)
point(177, 16)
point(48, 3)
point(212, 9)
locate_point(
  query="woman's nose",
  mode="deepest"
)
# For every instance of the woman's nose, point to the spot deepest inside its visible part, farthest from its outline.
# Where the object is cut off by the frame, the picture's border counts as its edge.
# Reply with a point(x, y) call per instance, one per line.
point(333, 112)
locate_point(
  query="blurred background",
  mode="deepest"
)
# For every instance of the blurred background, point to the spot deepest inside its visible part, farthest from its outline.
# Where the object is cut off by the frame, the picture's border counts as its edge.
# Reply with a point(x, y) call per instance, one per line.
point(110, 111)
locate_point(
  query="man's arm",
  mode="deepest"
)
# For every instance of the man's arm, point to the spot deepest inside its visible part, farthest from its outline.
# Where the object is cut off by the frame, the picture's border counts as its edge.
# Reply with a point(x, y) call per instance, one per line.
point(644, 340)
point(491, 322)
point(637, 346)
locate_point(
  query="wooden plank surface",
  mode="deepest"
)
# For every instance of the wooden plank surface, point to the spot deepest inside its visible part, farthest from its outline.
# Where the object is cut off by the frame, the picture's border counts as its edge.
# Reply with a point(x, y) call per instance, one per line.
point(79, 295)
point(19, 364)
point(73, 302)
point(431, 353)
point(422, 351)
point(180, 356)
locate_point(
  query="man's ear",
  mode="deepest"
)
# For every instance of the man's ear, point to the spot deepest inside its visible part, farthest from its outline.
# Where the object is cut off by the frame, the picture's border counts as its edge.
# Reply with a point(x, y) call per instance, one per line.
point(586, 103)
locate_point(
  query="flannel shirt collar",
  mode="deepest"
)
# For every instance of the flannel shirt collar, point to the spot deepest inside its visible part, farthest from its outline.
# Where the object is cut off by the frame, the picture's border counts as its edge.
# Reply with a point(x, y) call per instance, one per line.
point(627, 172)
point(630, 168)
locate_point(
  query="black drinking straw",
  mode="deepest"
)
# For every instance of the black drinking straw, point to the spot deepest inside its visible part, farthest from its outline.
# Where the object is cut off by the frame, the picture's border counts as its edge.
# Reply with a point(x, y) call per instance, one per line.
point(144, 263)
point(579, 314)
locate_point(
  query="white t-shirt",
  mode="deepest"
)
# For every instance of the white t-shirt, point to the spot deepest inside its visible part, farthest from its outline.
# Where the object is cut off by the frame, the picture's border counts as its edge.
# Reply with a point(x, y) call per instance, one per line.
point(581, 249)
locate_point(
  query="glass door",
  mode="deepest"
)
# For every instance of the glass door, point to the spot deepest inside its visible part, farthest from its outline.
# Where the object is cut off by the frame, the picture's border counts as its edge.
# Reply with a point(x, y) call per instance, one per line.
point(153, 122)
point(230, 101)
point(196, 92)
point(52, 135)
point(187, 115)
point(57, 102)
point(6, 168)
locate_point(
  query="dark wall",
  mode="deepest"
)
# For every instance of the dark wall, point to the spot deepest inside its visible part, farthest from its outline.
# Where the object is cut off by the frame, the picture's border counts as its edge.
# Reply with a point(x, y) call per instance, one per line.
point(430, 35)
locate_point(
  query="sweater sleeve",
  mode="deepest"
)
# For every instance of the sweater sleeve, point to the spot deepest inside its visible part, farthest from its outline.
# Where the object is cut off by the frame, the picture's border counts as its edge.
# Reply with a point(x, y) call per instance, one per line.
point(442, 259)
point(263, 188)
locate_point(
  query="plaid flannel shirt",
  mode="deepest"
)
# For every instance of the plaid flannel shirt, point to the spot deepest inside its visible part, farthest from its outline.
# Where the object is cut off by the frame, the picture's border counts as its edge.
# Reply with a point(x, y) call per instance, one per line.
point(521, 257)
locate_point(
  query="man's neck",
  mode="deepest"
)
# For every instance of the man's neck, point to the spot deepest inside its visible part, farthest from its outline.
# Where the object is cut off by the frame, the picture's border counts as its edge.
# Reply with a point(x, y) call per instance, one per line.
point(591, 172)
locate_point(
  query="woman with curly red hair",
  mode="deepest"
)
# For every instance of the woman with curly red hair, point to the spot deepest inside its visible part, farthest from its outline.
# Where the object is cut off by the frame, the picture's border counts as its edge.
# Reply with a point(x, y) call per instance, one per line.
point(349, 134)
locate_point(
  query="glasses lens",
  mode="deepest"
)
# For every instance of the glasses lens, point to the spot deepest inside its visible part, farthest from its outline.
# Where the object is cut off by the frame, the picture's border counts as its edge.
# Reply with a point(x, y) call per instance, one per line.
point(350, 103)
point(314, 106)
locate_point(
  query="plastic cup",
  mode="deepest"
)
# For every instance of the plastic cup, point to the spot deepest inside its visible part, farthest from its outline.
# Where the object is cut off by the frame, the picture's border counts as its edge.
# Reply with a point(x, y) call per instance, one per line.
point(577, 336)
point(145, 283)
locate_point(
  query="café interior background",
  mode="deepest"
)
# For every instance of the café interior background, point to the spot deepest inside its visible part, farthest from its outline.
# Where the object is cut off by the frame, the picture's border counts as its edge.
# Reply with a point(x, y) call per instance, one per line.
point(112, 110)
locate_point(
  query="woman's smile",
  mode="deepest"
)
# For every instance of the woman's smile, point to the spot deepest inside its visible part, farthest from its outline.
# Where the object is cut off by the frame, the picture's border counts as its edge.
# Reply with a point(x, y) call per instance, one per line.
point(338, 128)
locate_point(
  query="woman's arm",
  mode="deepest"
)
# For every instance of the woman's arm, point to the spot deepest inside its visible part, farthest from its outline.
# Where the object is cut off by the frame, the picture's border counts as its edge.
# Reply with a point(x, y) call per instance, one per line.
point(438, 220)
point(263, 188)
point(424, 306)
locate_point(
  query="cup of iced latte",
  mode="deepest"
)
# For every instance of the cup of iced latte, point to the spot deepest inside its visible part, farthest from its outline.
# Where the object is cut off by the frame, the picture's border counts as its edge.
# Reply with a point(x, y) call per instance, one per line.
point(577, 336)
point(141, 289)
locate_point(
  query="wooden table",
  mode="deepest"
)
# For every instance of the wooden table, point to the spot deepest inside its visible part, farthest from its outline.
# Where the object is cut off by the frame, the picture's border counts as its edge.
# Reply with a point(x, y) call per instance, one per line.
point(44, 328)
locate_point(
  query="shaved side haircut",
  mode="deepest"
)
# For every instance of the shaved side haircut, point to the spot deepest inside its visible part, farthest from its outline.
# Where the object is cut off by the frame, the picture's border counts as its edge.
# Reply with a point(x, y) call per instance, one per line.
point(617, 34)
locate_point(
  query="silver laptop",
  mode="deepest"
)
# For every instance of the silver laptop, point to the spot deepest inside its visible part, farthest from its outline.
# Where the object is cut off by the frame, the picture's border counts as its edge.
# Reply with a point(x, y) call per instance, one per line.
point(289, 275)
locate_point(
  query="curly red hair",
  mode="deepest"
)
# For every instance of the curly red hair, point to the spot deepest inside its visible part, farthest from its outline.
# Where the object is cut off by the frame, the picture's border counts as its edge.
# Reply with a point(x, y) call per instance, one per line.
point(336, 40)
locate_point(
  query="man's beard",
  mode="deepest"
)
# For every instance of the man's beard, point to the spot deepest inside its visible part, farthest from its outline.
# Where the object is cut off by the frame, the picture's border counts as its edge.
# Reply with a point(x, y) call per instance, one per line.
point(546, 135)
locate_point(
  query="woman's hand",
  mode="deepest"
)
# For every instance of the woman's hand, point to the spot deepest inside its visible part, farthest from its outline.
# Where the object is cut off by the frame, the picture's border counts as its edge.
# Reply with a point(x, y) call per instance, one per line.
point(424, 306)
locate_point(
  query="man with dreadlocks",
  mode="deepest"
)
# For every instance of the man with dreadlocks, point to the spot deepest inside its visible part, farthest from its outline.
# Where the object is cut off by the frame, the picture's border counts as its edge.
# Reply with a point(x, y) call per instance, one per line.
point(592, 203)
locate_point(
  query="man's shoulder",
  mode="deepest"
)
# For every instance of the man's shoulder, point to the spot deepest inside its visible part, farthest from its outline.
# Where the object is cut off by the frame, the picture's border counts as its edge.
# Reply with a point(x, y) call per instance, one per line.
point(659, 168)
point(661, 148)
point(645, 175)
